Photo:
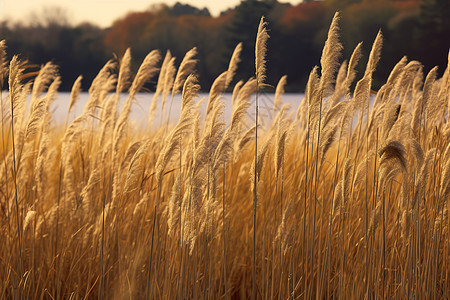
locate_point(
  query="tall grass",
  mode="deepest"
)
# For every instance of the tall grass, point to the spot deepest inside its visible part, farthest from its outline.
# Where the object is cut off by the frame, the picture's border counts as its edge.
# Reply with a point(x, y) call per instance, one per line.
point(96, 207)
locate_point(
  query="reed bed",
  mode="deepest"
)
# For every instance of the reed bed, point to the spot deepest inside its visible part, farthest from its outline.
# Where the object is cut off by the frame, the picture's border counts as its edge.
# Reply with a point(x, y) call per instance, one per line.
point(345, 196)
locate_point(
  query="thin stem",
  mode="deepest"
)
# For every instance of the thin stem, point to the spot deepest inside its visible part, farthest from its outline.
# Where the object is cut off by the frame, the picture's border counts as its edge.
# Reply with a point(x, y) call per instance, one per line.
point(315, 200)
point(224, 240)
point(255, 197)
point(153, 239)
point(328, 248)
point(6, 169)
point(168, 116)
point(16, 192)
point(102, 250)
point(304, 267)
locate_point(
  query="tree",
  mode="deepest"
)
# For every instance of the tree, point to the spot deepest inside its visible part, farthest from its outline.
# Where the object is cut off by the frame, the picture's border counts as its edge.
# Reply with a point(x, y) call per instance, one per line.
point(50, 16)
point(298, 43)
point(180, 9)
point(128, 31)
point(242, 28)
point(434, 36)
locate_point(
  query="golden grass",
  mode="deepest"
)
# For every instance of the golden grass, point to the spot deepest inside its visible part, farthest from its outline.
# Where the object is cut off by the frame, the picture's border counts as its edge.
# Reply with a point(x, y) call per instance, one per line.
point(98, 208)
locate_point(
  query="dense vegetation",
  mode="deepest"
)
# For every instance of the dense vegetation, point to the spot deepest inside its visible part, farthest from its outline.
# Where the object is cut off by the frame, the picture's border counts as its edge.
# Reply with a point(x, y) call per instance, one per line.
point(310, 206)
point(418, 29)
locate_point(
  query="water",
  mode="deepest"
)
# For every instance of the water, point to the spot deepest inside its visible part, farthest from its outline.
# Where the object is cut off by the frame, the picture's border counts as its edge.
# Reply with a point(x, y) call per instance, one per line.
point(140, 108)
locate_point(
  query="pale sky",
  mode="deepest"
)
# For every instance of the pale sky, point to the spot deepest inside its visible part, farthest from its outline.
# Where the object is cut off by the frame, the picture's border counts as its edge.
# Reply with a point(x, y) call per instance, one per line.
point(101, 12)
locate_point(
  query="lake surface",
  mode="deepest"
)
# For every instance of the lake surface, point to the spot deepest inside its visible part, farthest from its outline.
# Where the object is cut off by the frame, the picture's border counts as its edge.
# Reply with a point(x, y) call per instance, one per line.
point(140, 108)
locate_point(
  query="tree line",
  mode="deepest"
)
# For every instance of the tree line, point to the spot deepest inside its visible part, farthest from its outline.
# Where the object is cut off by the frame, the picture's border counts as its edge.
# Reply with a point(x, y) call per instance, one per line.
point(419, 29)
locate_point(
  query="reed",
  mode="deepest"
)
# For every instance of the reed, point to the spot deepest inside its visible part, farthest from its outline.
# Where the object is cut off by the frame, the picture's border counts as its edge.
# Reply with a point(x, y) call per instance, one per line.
point(306, 205)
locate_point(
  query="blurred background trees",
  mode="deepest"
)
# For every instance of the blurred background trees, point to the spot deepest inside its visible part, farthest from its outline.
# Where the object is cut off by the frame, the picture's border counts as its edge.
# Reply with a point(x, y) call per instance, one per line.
point(419, 29)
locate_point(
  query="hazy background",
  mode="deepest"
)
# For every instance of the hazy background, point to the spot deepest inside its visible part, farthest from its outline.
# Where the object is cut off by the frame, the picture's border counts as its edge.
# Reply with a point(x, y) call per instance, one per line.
point(80, 36)
point(99, 12)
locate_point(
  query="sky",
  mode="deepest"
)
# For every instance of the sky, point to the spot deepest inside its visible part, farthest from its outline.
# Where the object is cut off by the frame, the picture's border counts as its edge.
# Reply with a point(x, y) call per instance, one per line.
point(100, 12)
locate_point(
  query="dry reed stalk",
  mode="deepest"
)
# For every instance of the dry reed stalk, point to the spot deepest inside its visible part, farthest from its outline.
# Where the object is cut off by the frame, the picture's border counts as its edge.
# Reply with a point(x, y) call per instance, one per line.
point(136, 167)
point(281, 135)
point(20, 113)
point(279, 91)
point(122, 84)
point(241, 103)
point(169, 78)
point(351, 72)
point(146, 71)
point(3, 61)
point(312, 95)
point(363, 87)
point(15, 72)
point(75, 93)
point(445, 90)
point(310, 100)
point(330, 55)
point(217, 88)
point(172, 142)
point(124, 75)
point(4, 70)
point(236, 91)
point(102, 84)
point(46, 75)
point(426, 97)
point(329, 64)
point(174, 208)
point(394, 80)
point(186, 68)
point(339, 90)
point(159, 87)
point(260, 72)
point(233, 65)
point(44, 146)
point(343, 105)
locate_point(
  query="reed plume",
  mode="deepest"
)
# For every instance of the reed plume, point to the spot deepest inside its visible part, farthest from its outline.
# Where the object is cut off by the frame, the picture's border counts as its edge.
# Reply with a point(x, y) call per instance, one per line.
point(3, 62)
point(145, 72)
point(281, 136)
point(15, 86)
point(260, 52)
point(186, 68)
point(351, 72)
point(75, 94)
point(46, 75)
point(330, 56)
point(279, 91)
point(160, 86)
point(233, 65)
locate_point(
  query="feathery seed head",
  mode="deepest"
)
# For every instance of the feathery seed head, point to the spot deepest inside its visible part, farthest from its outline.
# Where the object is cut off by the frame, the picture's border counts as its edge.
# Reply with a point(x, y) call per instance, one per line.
point(394, 152)
point(186, 68)
point(329, 61)
point(260, 52)
point(75, 93)
point(375, 54)
point(124, 72)
point(234, 62)
point(279, 91)
point(146, 71)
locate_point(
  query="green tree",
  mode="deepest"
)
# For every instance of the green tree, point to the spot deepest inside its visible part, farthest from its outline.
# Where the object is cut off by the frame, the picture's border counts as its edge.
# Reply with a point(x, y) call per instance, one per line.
point(180, 9)
point(76, 50)
point(434, 36)
point(297, 43)
point(242, 28)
